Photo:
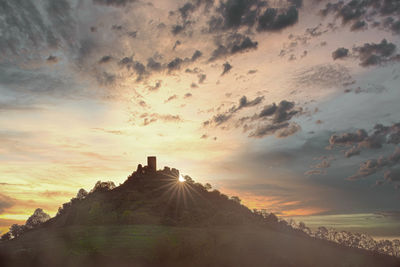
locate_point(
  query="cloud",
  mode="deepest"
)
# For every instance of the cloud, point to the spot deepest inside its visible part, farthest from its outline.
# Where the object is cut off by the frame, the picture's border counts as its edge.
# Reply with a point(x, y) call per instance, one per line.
point(372, 166)
point(118, 3)
point(52, 59)
point(5, 203)
point(171, 98)
point(353, 151)
point(284, 111)
point(340, 53)
point(202, 77)
point(244, 45)
point(105, 59)
point(358, 12)
point(359, 25)
point(40, 26)
point(196, 55)
point(325, 75)
point(392, 175)
point(156, 86)
point(154, 117)
point(227, 68)
point(278, 117)
point(275, 20)
point(348, 138)
point(232, 44)
point(288, 131)
point(244, 102)
point(314, 172)
point(371, 54)
point(268, 129)
point(361, 139)
point(175, 64)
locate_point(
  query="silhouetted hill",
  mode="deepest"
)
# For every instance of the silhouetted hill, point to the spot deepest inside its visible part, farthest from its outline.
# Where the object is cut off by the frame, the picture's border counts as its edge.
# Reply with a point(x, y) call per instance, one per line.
point(153, 219)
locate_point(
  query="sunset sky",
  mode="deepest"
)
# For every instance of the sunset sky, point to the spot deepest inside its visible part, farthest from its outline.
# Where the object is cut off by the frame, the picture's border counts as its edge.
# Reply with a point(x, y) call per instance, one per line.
point(291, 105)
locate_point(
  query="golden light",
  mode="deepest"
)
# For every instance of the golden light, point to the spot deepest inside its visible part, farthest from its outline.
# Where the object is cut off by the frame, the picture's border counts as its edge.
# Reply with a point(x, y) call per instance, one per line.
point(181, 178)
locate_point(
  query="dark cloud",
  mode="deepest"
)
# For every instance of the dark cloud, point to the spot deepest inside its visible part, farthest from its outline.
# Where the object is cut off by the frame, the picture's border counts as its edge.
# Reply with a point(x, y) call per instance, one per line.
point(105, 59)
point(155, 87)
point(176, 44)
point(340, 53)
point(176, 29)
point(243, 103)
point(202, 77)
point(187, 95)
point(353, 151)
point(153, 64)
point(282, 112)
point(194, 85)
point(5, 202)
point(275, 20)
point(245, 45)
point(106, 78)
point(373, 166)
point(371, 54)
point(278, 117)
point(359, 25)
point(171, 98)
point(126, 62)
point(360, 139)
point(113, 2)
point(196, 55)
point(348, 138)
point(268, 110)
point(359, 11)
point(186, 9)
point(392, 175)
point(227, 68)
point(233, 14)
point(52, 59)
point(204, 136)
point(175, 64)
point(232, 44)
point(268, 129)
point(288, 131)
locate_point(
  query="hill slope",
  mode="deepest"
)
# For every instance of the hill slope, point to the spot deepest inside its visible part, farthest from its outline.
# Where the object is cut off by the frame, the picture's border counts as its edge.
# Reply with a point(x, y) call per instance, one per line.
point(155, 220)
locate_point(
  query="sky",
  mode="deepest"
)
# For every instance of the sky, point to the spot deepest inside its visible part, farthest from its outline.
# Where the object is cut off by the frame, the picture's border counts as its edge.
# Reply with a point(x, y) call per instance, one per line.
point(292, 105)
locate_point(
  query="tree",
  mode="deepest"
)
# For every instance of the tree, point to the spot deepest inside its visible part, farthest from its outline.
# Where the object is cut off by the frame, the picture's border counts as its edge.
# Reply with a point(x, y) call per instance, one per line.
point(37, 218)
point(236, 199)
point(103, 186)
point(6, 236)
point(16, 230)
point(82, 193)
point(207, 186)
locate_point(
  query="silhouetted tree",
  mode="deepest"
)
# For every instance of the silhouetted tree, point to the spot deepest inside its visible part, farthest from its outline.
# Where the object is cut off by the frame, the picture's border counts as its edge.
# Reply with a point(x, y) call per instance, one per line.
point(236, 199)
point(82, 193)
point(37, 218)
point(6, 236)
point(207, 186)
point(103, 186)
point(16, 230)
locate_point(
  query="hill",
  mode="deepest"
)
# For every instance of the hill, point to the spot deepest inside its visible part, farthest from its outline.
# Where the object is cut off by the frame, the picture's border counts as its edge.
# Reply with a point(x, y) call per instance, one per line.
point(154, 219)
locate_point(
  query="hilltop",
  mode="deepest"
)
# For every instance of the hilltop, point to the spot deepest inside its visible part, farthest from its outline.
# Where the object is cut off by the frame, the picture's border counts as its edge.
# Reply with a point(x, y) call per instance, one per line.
point(160, 218)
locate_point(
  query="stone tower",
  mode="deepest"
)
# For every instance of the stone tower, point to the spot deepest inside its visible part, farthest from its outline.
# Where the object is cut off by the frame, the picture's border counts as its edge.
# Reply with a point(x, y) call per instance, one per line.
point(152, 163)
